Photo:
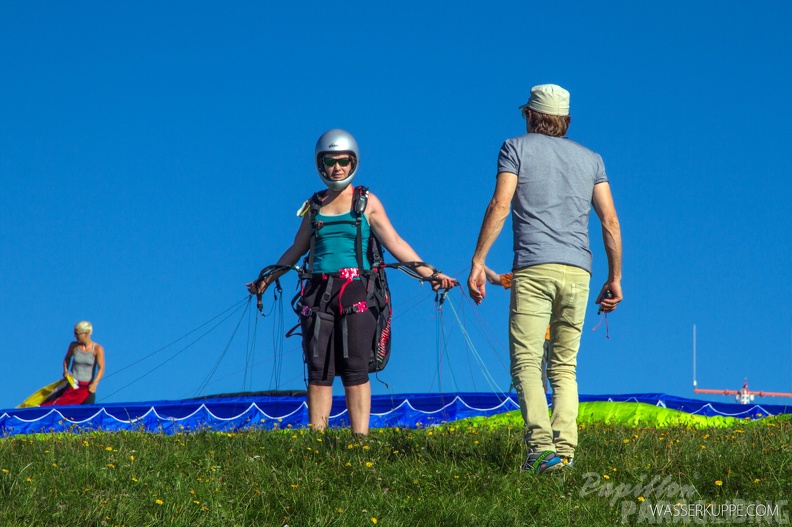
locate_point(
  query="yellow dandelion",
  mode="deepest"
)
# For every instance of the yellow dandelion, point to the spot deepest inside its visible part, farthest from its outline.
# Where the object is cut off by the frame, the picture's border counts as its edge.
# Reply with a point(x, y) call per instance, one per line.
point(641, 498)
point(373, 520)
point(135, 480)
point(110, 465)
point(340, 511)
point(626, 440)
point(109, 449)
point(131, 458)
point(348, 464)
point(295, 486)
point(196, 502)
point(718, 483)
point(606, 476)
point(5, 471)
point(369, 464)
point(54, 464)
point(159, 502)
point(365, 447)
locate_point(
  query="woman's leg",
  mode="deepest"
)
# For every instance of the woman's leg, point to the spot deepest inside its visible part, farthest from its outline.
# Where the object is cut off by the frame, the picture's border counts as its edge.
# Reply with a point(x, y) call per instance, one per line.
point(320, 400)
point(358, 400)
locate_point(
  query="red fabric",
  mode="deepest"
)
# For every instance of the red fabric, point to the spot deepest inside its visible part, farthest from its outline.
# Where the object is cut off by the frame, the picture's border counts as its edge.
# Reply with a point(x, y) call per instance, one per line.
point(71, 396)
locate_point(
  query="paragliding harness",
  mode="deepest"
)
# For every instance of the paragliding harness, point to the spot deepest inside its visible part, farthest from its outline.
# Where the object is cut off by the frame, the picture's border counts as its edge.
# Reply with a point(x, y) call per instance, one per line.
point(378, 298)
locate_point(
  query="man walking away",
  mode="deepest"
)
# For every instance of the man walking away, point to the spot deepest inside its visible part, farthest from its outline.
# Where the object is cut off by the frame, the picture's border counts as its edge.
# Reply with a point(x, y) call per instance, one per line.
point(549, 184)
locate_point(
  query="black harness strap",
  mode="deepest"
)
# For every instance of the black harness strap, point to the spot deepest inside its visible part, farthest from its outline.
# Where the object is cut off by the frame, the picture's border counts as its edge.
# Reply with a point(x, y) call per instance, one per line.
point(315, 204)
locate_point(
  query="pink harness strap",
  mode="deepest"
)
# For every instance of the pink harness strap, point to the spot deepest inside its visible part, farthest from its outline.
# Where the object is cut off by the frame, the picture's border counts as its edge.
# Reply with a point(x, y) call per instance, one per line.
point(349, 274)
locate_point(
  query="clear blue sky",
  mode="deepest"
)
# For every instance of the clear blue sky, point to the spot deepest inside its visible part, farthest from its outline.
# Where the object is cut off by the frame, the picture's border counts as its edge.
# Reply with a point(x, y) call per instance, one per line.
point(153, 155)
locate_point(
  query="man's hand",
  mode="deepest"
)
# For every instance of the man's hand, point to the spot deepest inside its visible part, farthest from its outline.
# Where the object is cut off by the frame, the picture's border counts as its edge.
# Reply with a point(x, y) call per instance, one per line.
point(477, 282)
point(607, 304)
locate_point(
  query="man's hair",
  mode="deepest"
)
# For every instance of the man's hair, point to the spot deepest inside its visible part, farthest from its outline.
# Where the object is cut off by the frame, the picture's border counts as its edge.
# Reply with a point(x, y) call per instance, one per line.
point(542, 123)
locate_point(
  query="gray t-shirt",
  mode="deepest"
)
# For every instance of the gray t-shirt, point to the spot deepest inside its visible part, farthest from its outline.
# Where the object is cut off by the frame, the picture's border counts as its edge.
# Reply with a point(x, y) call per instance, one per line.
point(551, 206)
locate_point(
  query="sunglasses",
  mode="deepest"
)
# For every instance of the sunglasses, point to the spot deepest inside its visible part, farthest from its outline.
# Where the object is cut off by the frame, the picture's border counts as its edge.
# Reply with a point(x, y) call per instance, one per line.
point(330, 162)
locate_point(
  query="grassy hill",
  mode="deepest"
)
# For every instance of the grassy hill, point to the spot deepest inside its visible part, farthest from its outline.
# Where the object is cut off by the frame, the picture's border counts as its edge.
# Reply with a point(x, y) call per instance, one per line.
point(463, 473)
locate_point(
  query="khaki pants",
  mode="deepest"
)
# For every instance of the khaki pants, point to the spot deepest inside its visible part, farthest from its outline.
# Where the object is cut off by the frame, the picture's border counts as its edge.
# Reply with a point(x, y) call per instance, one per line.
point(545, 294)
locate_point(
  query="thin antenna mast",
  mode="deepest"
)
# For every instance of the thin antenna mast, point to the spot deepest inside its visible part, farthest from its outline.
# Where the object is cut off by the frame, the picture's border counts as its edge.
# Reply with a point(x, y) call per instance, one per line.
point(694, 356)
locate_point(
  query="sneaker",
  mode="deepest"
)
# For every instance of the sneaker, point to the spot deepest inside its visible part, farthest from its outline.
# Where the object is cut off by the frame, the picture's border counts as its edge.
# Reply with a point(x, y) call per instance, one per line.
point(538, 462)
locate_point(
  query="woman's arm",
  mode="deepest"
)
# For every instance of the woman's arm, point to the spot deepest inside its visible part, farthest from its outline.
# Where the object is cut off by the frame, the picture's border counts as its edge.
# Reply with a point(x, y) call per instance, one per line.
point(100, 363)
point(300, 246)
point(67, 358)
point(399, 248)
point(492, 277)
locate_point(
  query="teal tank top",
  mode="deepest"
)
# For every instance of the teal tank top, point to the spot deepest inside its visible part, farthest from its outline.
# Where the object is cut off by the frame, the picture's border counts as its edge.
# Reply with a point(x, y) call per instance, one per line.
point(334, 247)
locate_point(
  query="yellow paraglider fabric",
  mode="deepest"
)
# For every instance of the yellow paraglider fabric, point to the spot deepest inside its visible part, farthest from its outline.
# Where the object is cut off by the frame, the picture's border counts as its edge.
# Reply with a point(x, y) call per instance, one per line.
point(42, 394)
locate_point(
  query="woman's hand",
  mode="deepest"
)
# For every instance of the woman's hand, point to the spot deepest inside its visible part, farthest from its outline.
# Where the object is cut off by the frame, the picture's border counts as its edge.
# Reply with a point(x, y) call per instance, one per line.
point(257, 287)
point(442, 281)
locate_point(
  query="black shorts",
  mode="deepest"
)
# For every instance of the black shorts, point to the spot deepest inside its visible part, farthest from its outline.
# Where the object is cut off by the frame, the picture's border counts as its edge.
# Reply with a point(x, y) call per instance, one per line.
point(332, 350)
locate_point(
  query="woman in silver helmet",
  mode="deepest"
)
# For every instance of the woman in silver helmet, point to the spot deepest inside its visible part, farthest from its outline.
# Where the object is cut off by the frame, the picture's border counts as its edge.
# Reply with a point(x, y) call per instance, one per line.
point(334, 253)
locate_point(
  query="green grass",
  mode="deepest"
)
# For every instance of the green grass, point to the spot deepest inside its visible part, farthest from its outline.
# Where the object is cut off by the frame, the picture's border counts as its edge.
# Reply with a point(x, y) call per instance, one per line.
point(461, 474)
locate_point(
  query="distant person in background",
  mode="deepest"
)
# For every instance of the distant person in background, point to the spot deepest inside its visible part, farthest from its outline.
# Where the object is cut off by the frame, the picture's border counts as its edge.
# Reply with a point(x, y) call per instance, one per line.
point(505, 279)
point(549, 183)
point(85, 362)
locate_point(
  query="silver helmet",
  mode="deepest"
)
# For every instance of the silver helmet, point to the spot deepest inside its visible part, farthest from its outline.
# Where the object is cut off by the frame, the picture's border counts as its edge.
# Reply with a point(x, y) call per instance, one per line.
point(336, 141)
